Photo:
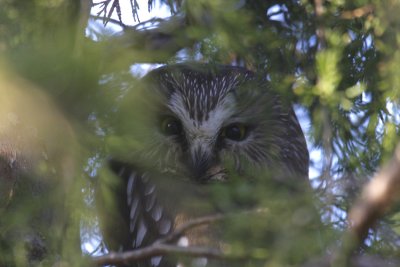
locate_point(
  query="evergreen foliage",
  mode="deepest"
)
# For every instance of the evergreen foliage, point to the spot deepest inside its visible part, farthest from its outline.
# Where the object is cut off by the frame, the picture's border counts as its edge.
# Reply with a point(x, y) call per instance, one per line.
point(338, 61)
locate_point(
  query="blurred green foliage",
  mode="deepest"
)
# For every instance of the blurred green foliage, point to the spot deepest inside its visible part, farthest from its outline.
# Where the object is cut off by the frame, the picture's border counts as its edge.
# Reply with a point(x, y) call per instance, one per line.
point(338, 60)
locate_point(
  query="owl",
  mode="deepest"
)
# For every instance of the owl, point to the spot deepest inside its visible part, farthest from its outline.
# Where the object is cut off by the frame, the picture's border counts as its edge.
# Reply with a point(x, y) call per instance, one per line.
point(185, 127)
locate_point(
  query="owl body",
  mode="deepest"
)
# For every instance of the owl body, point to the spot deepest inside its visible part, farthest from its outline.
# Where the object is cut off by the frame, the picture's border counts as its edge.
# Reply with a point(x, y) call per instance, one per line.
point(195, 125)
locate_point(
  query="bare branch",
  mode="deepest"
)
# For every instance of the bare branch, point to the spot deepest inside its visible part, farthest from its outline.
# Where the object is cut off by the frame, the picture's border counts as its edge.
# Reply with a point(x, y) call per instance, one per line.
point(158, 250)
point(115, 21)
point(378, 196)
point(135, 8)
point(376, 199)
point(161, 246)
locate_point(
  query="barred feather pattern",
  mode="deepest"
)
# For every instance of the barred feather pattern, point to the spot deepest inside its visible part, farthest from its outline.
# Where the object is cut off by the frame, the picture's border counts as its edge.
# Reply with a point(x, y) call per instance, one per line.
point(145, 215)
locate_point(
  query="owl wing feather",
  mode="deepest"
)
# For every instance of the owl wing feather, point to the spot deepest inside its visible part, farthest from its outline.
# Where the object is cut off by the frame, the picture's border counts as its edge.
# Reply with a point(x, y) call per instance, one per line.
point(144, 216)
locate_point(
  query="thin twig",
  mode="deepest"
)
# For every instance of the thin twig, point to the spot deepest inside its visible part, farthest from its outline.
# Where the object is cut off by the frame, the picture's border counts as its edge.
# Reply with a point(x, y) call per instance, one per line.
point(319, 12)
point(115, 21)
point(183, 228)
point(84, 13)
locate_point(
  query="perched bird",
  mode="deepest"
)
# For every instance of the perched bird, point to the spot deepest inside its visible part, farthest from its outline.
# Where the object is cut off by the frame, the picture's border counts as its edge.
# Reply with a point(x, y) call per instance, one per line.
point(187, 126)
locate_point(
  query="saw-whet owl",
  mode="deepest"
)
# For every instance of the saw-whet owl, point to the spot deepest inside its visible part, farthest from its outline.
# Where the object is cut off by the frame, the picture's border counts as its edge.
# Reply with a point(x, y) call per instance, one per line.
point(187, 126)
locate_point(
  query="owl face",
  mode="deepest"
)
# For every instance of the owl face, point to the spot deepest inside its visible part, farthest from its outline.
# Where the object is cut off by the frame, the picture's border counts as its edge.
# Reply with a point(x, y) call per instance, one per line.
point(200, 119)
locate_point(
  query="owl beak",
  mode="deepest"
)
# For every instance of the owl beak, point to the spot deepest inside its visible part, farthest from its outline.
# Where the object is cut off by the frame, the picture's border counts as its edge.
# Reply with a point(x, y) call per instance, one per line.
point(217, 173)
point(204, 167)
point(198, 164)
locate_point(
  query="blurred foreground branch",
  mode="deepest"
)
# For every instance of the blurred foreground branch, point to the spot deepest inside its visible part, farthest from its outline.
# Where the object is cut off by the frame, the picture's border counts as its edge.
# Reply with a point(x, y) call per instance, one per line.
point(149, 43)
point(37, 176)
point(163, 246)
point(157, 249)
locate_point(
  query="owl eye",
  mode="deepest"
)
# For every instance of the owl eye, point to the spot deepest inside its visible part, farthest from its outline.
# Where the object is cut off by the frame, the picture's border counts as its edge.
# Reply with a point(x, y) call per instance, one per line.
point(171, 126)
point(235, 132)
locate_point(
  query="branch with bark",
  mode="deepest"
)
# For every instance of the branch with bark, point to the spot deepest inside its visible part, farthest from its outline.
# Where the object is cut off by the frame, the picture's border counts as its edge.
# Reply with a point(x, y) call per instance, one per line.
point(165, 246)
point(377, 198)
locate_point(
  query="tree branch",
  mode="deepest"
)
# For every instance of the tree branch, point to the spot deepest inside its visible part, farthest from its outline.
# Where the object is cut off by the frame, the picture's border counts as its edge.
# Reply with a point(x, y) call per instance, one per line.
point(377, 197)
point(114, 21)
point(161, 247)
point(157, 249)
point(153, 45)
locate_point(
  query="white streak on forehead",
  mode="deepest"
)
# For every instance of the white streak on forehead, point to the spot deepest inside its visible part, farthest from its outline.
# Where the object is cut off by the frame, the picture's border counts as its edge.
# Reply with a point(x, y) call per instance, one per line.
point(223, 111)
point(207, 129)
point(176, 105)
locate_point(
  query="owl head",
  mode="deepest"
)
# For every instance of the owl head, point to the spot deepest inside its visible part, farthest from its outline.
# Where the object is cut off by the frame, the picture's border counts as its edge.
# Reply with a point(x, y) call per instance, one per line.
point(195, 120)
